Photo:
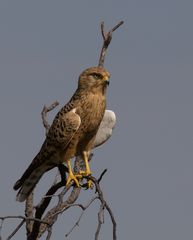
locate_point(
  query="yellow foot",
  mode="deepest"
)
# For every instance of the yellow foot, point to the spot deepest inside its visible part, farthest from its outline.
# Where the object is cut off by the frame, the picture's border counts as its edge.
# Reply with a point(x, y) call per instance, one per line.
point(90, 184)
point(72, 177)
point(82, 174)
point(85, 173)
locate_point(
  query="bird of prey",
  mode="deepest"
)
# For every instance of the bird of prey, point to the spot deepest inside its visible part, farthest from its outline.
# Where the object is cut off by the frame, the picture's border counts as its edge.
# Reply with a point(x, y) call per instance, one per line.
point(72, 132)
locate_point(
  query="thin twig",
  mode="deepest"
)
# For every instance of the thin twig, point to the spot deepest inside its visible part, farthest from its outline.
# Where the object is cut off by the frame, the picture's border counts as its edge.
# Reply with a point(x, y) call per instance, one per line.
point(49, 233)
point(101, 176)
point(100, 220)
point(83, 211)
point(24, 218)
point(1, 226)
point(113, 221)
point(103, 30)
point(16, 230)
point(117, 26)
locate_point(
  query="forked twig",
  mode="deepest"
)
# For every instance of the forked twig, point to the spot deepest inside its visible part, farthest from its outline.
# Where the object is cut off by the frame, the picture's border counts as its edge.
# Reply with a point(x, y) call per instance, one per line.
point(107, 36)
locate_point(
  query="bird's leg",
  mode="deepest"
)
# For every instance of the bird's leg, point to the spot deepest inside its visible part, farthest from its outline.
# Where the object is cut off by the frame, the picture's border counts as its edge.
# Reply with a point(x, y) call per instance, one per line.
point(71, 176)
point(85, 157)
point(87, 171)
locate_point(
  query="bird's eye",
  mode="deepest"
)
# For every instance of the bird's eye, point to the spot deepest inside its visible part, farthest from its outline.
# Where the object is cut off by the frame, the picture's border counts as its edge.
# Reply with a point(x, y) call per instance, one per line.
point(97, 75)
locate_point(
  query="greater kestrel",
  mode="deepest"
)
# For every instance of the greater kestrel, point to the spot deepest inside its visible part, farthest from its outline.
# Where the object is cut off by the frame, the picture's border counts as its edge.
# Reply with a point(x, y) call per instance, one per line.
point(72, 132)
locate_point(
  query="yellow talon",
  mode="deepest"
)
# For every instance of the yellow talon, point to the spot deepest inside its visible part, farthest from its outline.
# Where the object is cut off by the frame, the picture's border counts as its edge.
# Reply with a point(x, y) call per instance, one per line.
point(84, 173)
point(71, 176)
point(90, 184)
point(81, 174)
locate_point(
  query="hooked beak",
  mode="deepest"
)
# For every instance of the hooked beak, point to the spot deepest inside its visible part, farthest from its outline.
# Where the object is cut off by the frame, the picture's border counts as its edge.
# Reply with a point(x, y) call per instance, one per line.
point(106, 79)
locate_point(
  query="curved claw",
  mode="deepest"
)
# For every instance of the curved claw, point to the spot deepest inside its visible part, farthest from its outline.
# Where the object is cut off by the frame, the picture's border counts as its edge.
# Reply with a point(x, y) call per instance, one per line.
point(72, 177)
point(90, 184)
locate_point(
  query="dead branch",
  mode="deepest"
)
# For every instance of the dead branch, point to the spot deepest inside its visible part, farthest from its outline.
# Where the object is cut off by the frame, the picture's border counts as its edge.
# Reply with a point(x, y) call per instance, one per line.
point(29, 212)
point(44, 114)
point(107, 37)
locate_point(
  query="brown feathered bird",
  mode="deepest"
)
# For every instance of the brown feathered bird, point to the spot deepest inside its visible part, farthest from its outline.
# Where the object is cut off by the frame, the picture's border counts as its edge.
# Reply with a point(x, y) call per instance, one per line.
point(72, 132)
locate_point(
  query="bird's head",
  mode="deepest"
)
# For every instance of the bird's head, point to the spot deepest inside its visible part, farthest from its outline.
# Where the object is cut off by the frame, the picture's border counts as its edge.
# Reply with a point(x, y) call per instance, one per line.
point(94, 78)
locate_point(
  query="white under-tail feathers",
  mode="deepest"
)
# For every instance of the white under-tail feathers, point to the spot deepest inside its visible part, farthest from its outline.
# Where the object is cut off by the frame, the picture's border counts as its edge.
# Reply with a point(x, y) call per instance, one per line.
point(103, 134)
point(105, 129)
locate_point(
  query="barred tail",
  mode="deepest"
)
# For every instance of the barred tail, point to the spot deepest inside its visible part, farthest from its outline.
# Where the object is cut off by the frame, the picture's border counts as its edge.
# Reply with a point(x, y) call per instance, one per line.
point(30, 182)
point(40, 164)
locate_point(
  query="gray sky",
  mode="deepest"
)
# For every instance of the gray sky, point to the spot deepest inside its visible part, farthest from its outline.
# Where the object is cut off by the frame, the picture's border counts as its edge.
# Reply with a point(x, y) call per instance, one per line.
point(44, 46)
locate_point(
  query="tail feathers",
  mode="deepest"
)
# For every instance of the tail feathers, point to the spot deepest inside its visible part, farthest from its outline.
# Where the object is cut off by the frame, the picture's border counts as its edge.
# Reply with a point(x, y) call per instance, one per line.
point(17, 185)
point(29, 184)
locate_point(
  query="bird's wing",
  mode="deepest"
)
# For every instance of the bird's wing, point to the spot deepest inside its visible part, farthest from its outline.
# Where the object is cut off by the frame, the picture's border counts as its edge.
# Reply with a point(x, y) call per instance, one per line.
point(105, 129)
point(60, 134)
point(63, 129)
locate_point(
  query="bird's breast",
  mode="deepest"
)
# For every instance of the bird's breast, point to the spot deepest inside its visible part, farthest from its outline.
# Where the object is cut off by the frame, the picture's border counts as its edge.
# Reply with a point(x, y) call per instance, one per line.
point(91, 112)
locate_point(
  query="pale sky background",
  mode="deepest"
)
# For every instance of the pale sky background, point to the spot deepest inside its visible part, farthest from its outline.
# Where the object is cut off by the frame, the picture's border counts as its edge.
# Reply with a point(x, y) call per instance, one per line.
point(44, 45)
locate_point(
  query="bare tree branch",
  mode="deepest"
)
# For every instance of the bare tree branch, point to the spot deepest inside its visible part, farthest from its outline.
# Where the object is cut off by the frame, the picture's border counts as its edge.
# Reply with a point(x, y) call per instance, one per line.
point(49, 233)
point(106, 41)
point(52, 215)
